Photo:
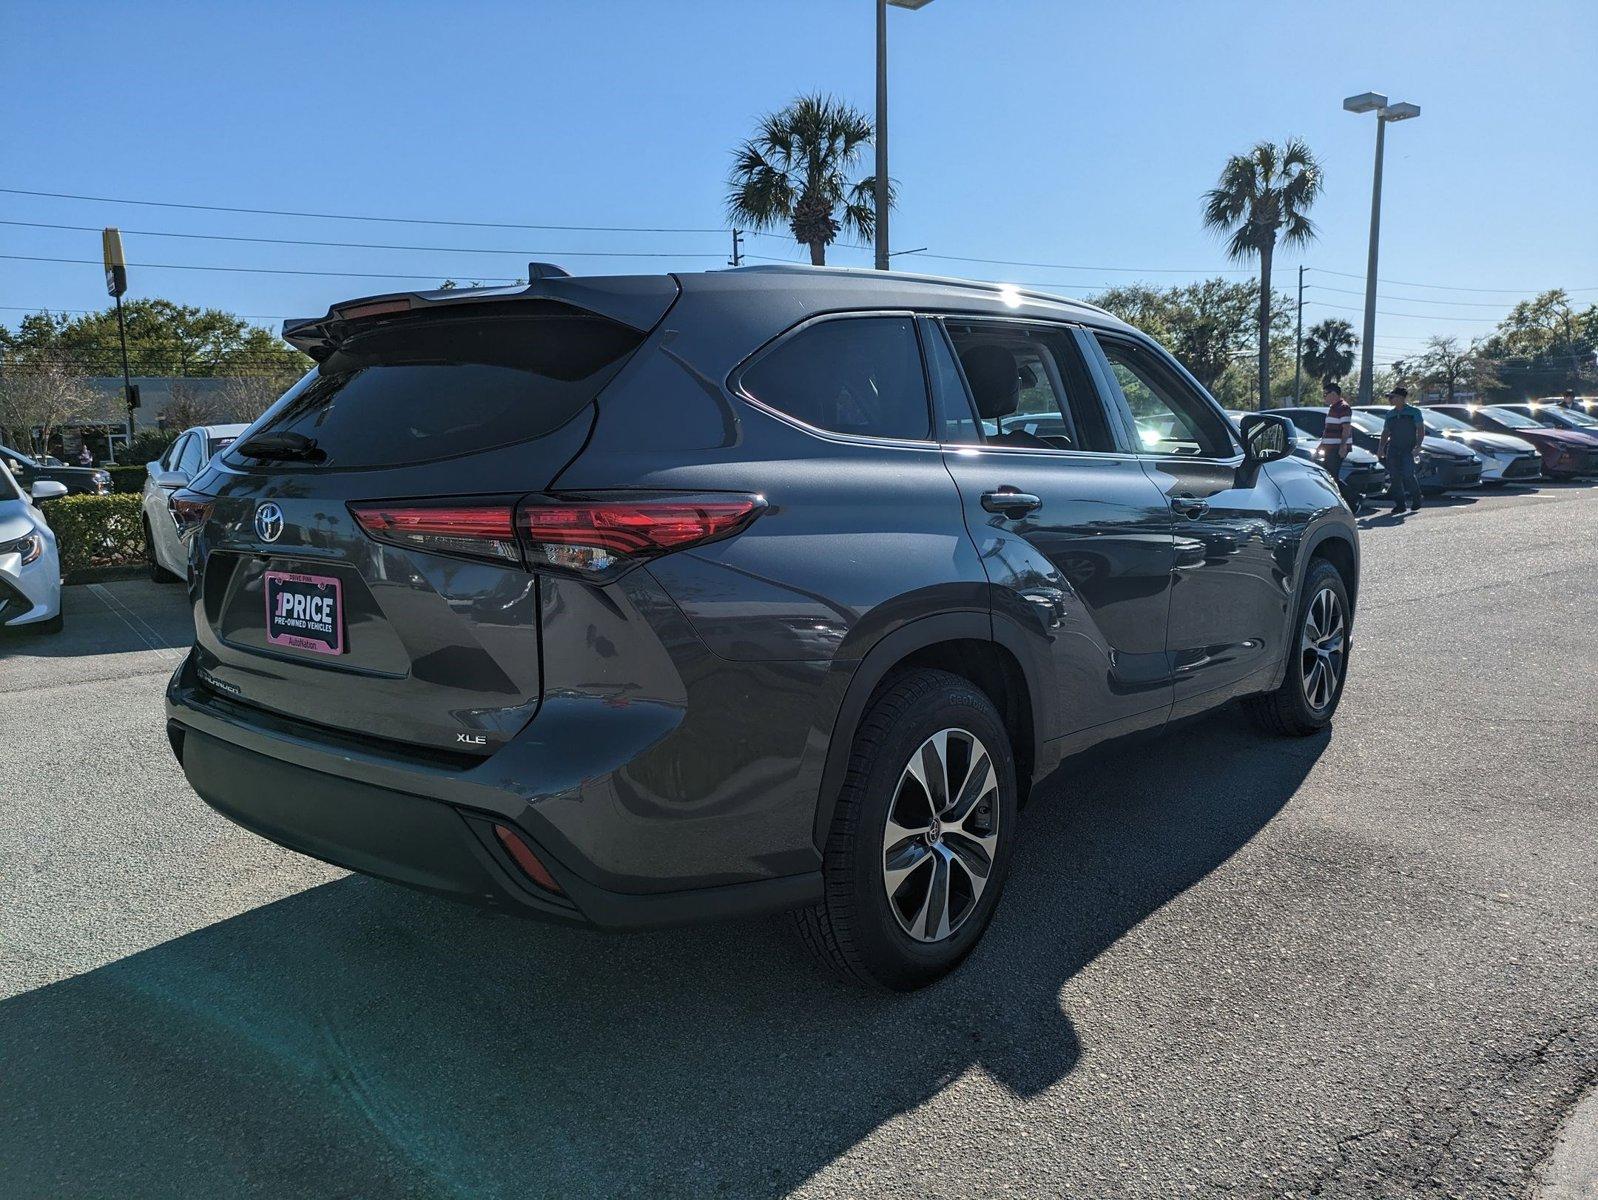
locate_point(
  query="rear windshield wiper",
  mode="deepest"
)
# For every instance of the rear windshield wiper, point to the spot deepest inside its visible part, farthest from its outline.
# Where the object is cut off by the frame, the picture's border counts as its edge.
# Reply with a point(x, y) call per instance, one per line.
point(283, 446)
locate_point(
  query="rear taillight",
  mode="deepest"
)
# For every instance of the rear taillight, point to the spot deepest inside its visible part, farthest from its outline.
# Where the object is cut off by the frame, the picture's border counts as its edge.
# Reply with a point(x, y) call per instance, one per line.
point(190, 510)
point(476, 530)
point(592, 536)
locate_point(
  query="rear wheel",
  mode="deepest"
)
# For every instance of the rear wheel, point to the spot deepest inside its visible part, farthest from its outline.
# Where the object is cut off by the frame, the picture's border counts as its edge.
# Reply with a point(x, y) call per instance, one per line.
point(1318, 664)
point(920, 840)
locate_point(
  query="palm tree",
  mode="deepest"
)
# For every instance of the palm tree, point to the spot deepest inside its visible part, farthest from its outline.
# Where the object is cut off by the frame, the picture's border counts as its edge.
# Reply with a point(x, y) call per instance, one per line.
point(1263, 196)
point(795, 172)
point(1329, 349)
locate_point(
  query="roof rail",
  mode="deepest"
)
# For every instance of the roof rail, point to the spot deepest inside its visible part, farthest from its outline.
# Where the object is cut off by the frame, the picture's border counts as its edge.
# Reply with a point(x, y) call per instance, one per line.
point(988, 285)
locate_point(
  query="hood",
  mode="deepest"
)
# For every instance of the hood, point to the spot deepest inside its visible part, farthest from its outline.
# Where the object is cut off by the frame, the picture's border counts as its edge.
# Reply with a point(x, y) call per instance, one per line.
point(1481, 439)
point(1564, 437)
point(1444, 448)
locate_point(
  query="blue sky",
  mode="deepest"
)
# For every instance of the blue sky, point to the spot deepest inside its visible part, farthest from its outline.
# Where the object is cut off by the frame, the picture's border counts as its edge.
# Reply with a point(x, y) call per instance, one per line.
point(1037, 130)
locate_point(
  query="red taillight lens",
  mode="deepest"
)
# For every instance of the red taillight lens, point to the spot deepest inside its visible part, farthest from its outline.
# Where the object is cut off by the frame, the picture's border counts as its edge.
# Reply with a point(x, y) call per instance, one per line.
point(522, 855)
point(592, 536)
point(190, 510)
point(477, 530)
point(596, 537)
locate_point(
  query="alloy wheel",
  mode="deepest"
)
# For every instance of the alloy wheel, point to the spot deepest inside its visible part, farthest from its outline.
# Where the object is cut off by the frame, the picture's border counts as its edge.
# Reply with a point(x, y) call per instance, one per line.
point(1322, 646)
point(942, 835)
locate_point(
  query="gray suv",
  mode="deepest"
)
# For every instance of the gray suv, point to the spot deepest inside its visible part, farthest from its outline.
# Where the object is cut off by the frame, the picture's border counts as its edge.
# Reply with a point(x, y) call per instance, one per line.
point(642, 600)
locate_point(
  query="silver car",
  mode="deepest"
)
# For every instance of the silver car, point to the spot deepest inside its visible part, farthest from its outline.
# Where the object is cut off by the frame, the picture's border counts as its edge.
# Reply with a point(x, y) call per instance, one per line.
point(1504, 459)
point(182, 461)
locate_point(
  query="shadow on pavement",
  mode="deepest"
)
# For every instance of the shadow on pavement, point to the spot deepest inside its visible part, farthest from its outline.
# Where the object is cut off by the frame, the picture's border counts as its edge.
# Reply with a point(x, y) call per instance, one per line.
point(116, 617)
point(358, 1039)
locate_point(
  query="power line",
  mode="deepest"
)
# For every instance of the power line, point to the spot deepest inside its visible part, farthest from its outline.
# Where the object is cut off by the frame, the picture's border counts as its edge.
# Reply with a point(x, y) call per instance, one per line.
point(1007, 262)
point(1501, 305)
point(280, 212)
point(91, 262)
point(1447, 287)
point(1417, 316)
point(219, 237)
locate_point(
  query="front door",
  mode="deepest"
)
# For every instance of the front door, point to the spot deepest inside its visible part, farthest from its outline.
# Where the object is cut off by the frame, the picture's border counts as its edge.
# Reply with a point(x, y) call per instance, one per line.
point(1232, 579)
point(1073, 534)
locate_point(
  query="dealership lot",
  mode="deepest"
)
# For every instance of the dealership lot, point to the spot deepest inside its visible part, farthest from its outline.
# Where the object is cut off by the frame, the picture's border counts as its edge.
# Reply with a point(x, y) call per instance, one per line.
point(1361, 964)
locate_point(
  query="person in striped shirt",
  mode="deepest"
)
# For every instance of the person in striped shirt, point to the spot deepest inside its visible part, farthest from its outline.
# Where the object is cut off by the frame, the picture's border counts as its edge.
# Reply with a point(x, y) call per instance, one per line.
point(1337, 438)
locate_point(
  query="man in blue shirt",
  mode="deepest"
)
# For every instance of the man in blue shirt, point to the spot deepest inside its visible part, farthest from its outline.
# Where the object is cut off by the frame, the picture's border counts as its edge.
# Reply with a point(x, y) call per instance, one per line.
point(1402, 435)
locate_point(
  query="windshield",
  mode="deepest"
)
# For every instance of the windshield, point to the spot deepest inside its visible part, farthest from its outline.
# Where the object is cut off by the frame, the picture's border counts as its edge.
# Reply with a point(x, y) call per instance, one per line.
point(1367, 422)
point(8, 485)
point(1508, 416)
point(1437, 422)
point(16, 456)
point(1569, 418)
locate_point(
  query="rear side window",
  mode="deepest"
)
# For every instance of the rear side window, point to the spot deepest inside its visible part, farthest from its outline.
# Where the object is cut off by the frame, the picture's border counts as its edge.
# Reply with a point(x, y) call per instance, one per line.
point(420, 389)
point(860, 375)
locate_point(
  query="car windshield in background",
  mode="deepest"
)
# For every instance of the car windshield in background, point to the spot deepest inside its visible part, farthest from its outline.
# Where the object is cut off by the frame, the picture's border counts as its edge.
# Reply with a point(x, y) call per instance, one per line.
point(219, 444)
point(8, 486)
point(17, 457)
point(1567, 417)
point(1515, 420)
point(1437, 422)
point(420, 390)
point(1367, 422)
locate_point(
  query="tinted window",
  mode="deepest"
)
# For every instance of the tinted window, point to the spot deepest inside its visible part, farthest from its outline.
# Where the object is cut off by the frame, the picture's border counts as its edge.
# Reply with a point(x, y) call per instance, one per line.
point(1512, 419)
point(8, 486)
point(189, 457)
point(1171, 418)
point(1028, 387)
point(421, 389)
point(860, 375)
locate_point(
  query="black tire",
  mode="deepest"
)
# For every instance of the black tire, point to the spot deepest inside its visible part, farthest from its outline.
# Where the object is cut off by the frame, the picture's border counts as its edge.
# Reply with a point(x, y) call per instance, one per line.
point(158, 573)
point(1288, 711)
point(855, 931)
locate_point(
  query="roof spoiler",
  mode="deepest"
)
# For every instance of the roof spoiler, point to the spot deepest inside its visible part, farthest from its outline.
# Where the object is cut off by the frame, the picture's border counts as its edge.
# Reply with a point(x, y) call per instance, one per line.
point(637, 301)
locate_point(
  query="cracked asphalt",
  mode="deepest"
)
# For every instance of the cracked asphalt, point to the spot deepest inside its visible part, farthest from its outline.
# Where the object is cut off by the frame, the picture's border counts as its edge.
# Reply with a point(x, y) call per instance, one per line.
point(1364, 964)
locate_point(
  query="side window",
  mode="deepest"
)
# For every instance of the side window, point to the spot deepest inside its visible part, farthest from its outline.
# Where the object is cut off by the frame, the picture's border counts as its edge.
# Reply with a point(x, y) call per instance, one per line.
point(189, 457)
point(1310, 422)
point(169, 460)
point(854, 375)
point(1029, 389)
point(1171, 418)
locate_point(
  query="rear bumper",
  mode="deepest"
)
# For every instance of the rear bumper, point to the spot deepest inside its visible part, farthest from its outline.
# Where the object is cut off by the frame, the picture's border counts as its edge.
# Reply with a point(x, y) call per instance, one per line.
point(379, 827)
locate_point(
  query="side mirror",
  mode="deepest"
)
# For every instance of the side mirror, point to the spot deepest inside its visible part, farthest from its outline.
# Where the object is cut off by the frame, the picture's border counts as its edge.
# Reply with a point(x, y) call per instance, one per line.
point(170, 480)
point(1266, 438)
point(49, 489)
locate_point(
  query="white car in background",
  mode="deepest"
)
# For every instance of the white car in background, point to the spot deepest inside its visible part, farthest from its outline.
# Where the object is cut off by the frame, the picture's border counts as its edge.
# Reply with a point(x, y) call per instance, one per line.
point(183, 460)
point(30, 569)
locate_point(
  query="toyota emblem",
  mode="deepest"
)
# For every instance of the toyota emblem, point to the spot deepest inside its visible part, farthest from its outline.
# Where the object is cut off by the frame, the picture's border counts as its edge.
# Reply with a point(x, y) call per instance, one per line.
point(269, 522)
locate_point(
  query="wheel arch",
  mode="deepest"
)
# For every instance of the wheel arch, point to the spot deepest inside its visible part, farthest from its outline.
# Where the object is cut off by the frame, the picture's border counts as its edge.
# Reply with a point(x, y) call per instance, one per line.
point(994, 653)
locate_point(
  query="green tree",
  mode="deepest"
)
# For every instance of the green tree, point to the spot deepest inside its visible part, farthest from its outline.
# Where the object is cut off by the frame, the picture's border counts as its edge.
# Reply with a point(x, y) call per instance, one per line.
point(796, 172)
point(163, 339)
point(1447, 367)
point(1207, 325)
point(1543, 346)
point(1329, 350)
point(1264, 197)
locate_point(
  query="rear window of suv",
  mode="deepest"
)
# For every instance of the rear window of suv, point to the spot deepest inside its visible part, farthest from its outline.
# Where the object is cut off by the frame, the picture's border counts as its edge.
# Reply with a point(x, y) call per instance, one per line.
point(854, 375)
point(422, 389)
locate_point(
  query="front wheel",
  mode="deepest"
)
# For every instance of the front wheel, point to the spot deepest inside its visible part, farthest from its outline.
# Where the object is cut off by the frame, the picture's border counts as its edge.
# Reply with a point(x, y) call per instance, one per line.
point(1318, 661)
point(921, 837)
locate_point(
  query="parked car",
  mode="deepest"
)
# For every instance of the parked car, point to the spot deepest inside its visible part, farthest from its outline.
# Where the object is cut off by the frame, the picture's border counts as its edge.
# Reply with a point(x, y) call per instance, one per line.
point(30, 569)
point(1565, 452)
point(1556, 416)
point(642, 600)
point(184, 459)
point(1444, 465)
point(1505, 459)
point(79, 481)
point(1360, 475)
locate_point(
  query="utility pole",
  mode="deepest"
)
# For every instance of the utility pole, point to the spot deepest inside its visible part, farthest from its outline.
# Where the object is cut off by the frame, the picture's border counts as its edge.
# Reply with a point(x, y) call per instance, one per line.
point(881, 138)
point(116, 282)
point(1298, 349)
point(737, 259)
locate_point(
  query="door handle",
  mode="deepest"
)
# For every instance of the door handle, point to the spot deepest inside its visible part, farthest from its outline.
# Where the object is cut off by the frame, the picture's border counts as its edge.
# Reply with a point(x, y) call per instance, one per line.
point(1190, 506)
point(1010, 503)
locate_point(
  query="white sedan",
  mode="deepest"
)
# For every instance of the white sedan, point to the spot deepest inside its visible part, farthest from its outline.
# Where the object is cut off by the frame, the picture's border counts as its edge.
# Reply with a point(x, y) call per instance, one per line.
point(167, 556)
point(30, 569)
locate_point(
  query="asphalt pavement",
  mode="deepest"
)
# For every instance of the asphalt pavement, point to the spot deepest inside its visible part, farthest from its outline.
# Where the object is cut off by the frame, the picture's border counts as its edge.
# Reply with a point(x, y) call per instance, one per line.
point(1362, 964)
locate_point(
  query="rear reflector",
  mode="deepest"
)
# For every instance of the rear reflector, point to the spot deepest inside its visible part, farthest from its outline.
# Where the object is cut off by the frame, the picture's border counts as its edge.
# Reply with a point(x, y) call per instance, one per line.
point(591, 536)
point(522, 854)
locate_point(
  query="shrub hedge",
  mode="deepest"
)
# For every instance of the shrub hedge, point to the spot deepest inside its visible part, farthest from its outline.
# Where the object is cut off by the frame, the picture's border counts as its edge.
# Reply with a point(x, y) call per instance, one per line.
point(96, 531)
point(127, 479)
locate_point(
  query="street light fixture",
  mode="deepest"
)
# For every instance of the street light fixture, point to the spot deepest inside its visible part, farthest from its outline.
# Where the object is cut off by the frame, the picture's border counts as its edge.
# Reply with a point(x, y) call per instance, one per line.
point(1363, 103)
point(881, 229)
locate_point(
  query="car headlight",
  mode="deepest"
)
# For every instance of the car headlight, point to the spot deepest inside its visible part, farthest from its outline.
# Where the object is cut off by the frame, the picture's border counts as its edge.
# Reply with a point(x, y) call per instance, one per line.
point(102, 476)
point(30, 546)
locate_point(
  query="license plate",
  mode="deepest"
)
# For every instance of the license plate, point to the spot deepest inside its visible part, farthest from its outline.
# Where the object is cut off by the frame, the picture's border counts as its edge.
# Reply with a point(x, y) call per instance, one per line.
point(305, 611)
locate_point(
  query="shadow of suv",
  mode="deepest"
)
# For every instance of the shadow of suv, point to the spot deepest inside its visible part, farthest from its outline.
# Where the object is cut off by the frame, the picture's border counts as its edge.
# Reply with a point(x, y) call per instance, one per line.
point(644, 600)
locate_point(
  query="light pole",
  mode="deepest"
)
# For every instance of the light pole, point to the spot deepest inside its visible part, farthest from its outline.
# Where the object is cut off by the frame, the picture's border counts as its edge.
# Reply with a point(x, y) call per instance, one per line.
point(881, 134)
point(1363, 103)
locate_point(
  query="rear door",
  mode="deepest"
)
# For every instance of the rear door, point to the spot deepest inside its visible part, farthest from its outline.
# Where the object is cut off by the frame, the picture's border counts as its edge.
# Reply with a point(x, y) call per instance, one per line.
point(421, 642)
point(1072, 533)
point(1233, 575)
